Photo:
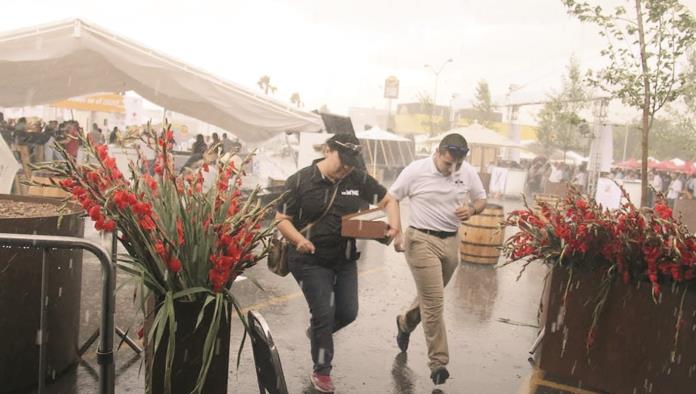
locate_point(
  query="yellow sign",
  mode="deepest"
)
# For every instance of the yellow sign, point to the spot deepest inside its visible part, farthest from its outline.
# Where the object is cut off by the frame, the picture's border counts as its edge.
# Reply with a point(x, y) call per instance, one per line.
point(391, 87)
point(105, 102)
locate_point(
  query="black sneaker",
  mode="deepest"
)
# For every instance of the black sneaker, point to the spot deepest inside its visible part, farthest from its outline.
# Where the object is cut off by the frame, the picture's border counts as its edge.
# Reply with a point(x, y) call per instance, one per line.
point(401, 337)
point(439, 375)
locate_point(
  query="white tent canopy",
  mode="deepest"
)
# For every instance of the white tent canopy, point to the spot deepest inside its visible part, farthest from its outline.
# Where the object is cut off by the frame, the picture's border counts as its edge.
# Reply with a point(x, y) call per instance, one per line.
point(379, 134)
point(47, 63)
point(477, 134)
point(678, 162)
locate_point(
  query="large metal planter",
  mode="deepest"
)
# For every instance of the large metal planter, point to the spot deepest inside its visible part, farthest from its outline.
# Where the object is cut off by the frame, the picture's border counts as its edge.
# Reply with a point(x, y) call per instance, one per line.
point(20, 299)
point(634, 348)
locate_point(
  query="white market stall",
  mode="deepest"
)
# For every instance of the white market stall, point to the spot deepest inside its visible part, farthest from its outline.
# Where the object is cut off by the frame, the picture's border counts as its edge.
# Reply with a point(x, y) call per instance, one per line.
point(385, 150)
point(47, 63)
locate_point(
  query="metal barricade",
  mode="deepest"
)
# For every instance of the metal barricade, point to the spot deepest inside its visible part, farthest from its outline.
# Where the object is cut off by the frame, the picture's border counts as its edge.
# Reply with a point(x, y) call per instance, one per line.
point(105, 354)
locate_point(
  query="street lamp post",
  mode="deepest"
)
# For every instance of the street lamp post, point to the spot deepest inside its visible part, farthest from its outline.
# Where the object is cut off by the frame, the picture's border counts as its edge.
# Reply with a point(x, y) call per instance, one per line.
point(437, 76)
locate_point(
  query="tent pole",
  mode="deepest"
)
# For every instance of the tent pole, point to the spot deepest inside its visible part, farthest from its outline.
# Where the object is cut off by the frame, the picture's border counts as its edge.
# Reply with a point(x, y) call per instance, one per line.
point(374, 160)
point(384, 153)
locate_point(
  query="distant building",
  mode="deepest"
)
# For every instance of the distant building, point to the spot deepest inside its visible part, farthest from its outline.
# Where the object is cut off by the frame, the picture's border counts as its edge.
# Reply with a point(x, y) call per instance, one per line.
point(415, 118)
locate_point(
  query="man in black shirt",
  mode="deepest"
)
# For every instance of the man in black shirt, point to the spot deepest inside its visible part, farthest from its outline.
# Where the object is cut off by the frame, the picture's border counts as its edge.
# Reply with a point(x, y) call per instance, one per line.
point(322, 261)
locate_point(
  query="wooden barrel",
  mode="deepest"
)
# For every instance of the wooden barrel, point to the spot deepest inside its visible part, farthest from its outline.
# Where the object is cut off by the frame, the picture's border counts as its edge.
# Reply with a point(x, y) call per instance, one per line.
point(482, 236)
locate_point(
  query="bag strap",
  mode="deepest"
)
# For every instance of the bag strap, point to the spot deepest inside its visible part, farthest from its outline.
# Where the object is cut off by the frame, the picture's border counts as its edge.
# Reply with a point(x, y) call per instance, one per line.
point(328, 207)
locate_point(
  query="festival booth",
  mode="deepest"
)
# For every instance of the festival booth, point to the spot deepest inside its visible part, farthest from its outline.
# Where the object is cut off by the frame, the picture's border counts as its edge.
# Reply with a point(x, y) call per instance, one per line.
point(485, 146)
point(385, 152)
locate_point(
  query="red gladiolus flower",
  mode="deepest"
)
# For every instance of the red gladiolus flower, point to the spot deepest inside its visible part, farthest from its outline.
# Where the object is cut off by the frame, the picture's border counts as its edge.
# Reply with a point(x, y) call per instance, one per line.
point(664, 211)
point(159, 169)
point(581, 204)
point(67, 183)
point(142, 208)
point(151, 183)
point(160, 249)
point(109, 225)
point(78, 191)
point(95, 213)
point(180, 231)
point(174, 264)
point(147, 224)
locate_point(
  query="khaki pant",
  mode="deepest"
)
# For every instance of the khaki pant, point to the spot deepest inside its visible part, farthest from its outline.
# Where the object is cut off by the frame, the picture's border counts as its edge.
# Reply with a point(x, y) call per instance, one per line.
point(432, 261)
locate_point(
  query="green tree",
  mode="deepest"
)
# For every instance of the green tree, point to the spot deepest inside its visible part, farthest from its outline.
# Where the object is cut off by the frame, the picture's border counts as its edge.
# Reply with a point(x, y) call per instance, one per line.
point(485, 109)
point(295, 99)
point(265, 84)
point(672, 138)
point(690, 88)
point(427, 106)
point(547, 120)
point(560, 125)
point(643, 50)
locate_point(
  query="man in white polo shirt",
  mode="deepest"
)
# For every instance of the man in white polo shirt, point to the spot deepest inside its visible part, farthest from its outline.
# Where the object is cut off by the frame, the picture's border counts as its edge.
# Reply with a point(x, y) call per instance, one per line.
point(443, 191)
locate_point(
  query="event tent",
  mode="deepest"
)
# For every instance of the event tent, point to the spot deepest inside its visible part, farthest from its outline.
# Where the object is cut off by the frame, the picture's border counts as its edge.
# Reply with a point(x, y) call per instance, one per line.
point(479, 135)
point(43, 64)
point(385, 149)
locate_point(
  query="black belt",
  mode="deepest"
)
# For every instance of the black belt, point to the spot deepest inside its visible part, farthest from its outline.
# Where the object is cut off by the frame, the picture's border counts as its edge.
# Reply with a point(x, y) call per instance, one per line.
point(439, 234)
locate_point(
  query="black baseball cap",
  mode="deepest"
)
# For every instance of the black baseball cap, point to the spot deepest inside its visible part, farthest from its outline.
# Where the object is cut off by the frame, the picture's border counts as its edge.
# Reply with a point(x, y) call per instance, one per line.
point(348, 148)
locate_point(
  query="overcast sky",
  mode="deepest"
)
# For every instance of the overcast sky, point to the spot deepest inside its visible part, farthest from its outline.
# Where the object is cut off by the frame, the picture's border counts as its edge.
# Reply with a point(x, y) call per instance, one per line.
point(338, 53)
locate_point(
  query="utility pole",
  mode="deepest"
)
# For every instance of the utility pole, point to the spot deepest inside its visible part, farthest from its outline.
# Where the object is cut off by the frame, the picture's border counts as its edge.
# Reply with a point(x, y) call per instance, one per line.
point(437, 76)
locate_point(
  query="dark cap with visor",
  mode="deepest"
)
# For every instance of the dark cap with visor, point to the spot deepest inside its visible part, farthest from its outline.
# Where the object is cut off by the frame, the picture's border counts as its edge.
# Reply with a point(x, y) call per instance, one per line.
point(348, 148)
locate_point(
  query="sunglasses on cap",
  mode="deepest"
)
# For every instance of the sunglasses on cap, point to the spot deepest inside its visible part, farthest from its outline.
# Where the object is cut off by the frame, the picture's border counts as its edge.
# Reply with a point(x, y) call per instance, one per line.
point(454, 150)
point(348, 145)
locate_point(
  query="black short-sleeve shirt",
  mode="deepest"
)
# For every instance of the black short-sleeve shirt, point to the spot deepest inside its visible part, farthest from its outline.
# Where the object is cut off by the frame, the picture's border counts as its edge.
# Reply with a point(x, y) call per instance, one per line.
point(307, 194)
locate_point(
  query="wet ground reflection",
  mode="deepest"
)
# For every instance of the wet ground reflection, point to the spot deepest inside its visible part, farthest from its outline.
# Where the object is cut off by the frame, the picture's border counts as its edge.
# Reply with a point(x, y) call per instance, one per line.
point(402, 375)
point(476, 289)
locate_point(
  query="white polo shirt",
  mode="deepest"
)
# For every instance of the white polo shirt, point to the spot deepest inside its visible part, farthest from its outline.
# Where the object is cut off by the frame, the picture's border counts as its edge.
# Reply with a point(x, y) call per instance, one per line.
point(434, 197)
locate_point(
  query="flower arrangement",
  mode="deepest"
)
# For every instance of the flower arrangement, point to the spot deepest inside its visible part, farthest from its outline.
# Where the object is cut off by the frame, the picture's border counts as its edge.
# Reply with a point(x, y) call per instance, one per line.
point(626, 244)
point(184, 243)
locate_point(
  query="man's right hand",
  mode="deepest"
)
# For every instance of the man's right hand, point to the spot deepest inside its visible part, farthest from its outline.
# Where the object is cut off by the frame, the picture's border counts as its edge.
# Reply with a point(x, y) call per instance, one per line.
point(305, 246)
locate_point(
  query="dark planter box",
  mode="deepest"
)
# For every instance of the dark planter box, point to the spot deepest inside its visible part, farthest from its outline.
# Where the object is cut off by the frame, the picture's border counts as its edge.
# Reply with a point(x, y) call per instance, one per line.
point(20, 299)
point(188, 353)
point(634, 343)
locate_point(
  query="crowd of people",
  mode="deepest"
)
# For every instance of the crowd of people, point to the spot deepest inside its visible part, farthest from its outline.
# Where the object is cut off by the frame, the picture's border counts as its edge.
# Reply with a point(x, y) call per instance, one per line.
point(36, 139)
point(540, 172)
point(33, 140)
point(673, 185)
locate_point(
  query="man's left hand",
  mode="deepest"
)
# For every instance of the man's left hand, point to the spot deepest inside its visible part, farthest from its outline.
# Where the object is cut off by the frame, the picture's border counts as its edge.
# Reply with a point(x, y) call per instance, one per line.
point(464, 213)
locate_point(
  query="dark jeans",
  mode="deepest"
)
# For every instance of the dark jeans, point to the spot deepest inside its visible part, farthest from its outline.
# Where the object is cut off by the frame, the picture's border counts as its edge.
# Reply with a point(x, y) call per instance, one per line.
point(331, 291)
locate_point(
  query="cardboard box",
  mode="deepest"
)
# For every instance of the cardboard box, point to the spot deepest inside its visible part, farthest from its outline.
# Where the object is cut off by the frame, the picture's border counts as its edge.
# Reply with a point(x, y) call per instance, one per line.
point(369, 224)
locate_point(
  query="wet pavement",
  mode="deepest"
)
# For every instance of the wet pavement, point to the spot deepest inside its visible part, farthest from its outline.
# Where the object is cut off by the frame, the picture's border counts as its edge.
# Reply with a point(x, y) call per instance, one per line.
point(491, 322)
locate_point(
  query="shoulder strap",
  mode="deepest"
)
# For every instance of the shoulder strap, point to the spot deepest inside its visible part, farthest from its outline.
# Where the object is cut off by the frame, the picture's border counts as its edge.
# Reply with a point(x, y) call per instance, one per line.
point(333, 197)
